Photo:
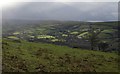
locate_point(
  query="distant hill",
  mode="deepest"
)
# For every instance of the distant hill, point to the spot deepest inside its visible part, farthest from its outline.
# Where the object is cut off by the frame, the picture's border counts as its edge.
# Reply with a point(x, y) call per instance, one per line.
point(69, 33)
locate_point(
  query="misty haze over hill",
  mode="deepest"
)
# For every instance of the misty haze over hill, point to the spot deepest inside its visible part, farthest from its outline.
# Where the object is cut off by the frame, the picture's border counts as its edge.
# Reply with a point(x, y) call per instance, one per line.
point(75, 11)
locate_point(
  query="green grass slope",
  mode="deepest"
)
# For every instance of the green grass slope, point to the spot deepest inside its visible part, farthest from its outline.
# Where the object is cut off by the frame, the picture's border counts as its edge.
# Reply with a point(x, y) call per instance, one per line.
point(23, 56)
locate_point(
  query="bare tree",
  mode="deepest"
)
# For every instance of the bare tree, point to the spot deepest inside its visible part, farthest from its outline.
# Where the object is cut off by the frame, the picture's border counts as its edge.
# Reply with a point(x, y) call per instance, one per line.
point(93, 36)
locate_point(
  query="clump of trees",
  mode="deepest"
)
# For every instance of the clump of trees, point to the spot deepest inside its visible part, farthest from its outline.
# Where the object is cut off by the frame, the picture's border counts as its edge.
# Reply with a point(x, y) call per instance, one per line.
point(103, 46)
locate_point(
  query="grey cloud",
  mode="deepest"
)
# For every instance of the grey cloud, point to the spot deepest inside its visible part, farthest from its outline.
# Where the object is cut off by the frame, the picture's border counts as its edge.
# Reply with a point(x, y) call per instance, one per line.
point(79, 11)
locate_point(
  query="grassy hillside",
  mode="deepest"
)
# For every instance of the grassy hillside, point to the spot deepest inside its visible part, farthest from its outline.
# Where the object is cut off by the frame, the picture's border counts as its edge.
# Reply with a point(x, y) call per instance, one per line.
point(23, 56)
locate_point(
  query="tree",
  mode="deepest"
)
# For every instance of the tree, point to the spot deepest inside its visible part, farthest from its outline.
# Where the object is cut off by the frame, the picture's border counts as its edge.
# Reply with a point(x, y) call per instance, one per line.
point(93, 36)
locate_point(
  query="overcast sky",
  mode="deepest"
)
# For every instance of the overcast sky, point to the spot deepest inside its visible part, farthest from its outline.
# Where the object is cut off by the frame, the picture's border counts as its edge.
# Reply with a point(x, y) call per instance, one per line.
point(76, 11)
